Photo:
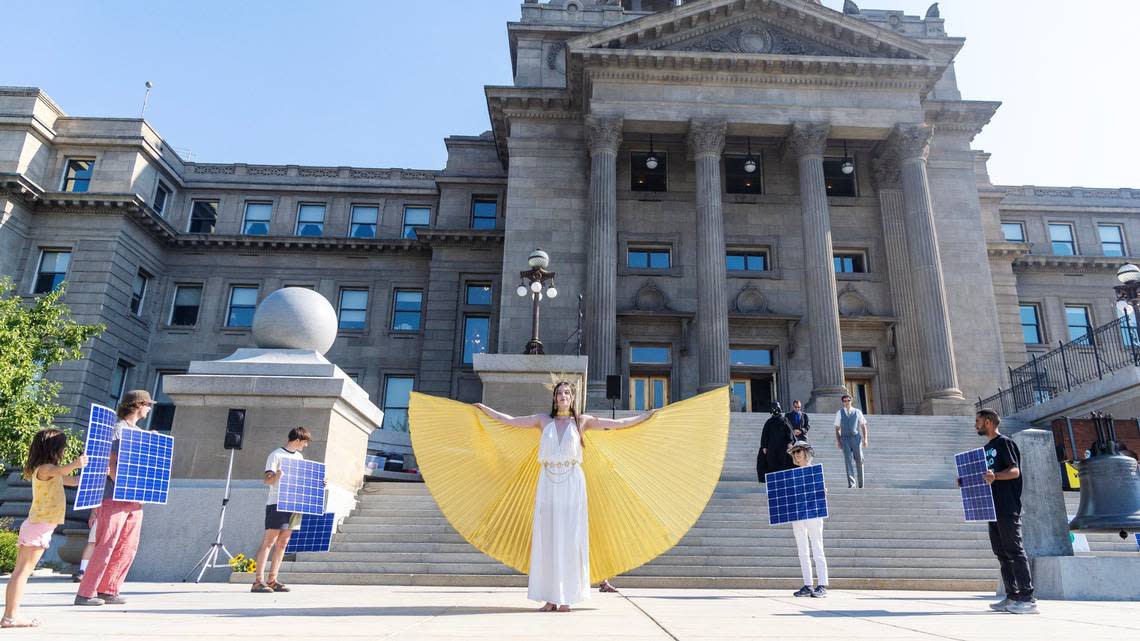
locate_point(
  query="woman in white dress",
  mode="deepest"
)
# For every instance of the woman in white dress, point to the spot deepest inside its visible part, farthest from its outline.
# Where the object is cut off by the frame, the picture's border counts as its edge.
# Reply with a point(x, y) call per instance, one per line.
point(560, 554)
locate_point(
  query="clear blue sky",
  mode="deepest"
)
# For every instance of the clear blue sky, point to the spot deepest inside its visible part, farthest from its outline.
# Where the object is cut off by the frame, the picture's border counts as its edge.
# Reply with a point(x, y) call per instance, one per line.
point(382, 82)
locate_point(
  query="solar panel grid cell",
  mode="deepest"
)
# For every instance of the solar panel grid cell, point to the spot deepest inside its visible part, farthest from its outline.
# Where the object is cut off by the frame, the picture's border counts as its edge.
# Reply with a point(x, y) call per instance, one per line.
point(302, 487)
point(97, 446)
point(797, 494)
point(977, 495)
point(314, 535)
point(143, 472)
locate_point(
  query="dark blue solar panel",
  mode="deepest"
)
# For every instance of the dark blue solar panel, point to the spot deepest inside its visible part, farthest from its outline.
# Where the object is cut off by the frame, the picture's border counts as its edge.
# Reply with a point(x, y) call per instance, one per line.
point(797, 494)
point(302, 487)
point(314, 535)
point(97, 447)
point(143, 471)
point(977, 496)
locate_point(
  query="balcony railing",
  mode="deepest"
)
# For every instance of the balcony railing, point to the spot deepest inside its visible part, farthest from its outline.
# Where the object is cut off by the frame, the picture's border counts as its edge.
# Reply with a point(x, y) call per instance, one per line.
point(1093, 356)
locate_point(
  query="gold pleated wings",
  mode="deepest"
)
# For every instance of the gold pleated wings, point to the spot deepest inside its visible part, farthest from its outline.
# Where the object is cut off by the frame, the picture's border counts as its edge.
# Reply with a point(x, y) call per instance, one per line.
point(645, 485)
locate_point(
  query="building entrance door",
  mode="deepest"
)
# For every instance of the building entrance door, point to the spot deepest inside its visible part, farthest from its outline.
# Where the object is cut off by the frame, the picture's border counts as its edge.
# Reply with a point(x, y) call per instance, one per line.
point(753, 394)
point(648, 392)
point(862, 396)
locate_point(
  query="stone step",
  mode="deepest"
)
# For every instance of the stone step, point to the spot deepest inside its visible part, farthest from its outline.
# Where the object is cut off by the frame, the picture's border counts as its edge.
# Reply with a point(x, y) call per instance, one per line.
point(768, 557)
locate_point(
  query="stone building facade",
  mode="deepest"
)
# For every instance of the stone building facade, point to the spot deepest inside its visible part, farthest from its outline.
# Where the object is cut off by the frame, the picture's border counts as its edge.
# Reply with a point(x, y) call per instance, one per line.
point(743, 254)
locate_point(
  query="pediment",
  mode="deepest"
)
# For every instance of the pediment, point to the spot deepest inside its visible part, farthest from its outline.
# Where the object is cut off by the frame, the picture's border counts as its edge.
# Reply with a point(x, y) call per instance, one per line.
point(761, 27)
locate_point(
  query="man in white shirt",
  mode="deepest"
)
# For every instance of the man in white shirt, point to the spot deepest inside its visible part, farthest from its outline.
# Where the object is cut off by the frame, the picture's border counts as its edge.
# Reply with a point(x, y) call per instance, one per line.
point(851, 438)
point(279, 525)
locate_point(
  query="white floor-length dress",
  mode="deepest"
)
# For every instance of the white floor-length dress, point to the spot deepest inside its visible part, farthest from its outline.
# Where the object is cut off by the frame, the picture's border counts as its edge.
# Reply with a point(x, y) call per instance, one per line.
point(560, 553)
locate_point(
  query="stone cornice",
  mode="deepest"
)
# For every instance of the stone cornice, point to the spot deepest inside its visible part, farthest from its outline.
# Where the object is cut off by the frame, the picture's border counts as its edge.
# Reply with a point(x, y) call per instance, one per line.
point(287, 175)
point(21, 187)
point(437, 237)
point(1085, 264)
point(130, 205)
point(1007, 250)
point(505, 103)
point(220, 241)
point(1032, 194)
point(968, 116)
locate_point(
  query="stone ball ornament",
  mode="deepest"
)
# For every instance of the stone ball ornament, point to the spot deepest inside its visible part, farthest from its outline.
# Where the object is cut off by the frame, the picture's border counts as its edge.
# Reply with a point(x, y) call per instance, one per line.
point(295, 318)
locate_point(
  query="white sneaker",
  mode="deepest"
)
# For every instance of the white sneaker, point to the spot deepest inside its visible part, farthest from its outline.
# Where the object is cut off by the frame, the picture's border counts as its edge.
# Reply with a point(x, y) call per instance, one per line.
point(1000, 606)
point(1021, 607)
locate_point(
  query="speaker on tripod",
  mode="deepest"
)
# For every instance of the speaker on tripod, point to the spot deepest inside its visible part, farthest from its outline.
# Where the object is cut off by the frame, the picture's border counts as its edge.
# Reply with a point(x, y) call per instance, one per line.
point(613, 392)
point(235, 431)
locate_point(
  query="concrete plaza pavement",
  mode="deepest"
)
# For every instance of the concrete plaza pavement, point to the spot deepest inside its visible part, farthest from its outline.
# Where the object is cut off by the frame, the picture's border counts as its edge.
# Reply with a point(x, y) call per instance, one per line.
point(158, 611)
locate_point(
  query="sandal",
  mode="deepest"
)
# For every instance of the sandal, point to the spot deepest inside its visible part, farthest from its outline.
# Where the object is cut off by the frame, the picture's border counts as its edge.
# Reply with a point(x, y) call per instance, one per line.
point(606, 587)
point(549, 607)
point(19, 623)
point(277, 586)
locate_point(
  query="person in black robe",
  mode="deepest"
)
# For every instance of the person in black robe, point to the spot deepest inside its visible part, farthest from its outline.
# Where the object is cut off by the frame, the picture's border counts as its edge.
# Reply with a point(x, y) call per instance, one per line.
point(774, 441)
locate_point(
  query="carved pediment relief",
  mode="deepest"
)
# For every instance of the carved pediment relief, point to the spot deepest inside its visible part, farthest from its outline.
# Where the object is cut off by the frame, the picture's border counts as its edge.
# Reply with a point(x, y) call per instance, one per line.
point(650, 298)
point(750, 300)
point(852, 304)
point(755, 36)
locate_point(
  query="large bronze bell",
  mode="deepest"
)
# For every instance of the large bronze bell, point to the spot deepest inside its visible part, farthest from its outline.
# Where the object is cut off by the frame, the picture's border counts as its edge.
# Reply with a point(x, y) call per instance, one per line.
point(1110, 485)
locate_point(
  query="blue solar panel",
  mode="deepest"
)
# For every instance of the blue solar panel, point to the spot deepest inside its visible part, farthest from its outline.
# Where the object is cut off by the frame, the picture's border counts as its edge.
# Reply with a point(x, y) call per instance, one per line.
point(797, 494)
point(977, 496)
point(97, 447)
point(302, 487)
point(314, 535)
point(143, 471)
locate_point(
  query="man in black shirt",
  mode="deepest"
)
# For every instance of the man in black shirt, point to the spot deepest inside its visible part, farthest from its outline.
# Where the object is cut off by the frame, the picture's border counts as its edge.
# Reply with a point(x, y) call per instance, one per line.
point(774, 442)
point(1003, 460)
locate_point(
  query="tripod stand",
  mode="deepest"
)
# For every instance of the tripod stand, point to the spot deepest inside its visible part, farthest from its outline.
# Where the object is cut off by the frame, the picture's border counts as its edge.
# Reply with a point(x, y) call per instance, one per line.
point(210, 558)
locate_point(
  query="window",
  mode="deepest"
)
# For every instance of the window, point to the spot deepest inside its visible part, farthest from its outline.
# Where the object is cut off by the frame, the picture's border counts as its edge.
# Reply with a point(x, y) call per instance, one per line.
point(1111, 239)
point(203, 216)
point(746, 261)
point(257, 217)
point(243, 302)
point(138, 292)
point(837, 182)
point(484, 212)
point(750, 357)
point(353, 312)
point(850, 263)
point(406, 310)
point(119, 382)
point(1031, 325)
point(1080, 325)
point(478, 294)
point(77, 175)
point(187, 301)
point(856, 358)
point(648, 258)
point(642, 178)
point(363, 222)
point(476, 336)
point(1013, 232)
point(415, 217)
point(52, 271)
point(1061, 235)
point(397, 393)
point(162, 415)
point(649, 354)
point(737, 180)
point(310, 220)
point(161, 196)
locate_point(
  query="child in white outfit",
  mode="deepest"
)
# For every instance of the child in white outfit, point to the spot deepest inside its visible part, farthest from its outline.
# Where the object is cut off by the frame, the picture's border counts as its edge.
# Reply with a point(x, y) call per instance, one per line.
point(809, 535)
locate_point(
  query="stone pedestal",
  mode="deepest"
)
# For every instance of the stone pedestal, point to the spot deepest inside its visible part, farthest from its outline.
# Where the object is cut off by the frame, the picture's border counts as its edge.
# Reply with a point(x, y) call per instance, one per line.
point(280, 389)
point(517, 384)
point(946, 407)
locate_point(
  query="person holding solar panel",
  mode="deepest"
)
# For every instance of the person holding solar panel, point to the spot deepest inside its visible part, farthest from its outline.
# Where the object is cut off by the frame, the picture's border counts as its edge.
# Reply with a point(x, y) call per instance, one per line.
point(117, 523)
point(809, 535)
point(279, 526)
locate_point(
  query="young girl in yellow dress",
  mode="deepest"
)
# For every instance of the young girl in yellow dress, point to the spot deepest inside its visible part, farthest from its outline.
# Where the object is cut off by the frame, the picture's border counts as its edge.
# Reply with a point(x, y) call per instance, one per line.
point(49, 505)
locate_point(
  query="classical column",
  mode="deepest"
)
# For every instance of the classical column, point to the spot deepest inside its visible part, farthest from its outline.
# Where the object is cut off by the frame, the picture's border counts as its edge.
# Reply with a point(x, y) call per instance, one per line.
point(905, 347)
point(603, 137)
point(806, 143)
point(911, 143)
point(706, 142)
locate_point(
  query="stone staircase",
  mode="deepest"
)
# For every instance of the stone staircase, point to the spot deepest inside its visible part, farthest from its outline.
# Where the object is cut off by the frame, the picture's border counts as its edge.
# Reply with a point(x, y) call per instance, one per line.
point(903, 531)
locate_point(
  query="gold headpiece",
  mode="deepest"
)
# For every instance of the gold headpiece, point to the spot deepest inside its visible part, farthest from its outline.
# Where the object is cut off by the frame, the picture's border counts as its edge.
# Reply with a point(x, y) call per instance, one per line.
point(559, 378)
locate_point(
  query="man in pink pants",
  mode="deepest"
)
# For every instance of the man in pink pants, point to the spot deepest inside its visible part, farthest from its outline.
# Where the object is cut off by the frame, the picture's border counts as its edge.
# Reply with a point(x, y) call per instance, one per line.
point(118, 523)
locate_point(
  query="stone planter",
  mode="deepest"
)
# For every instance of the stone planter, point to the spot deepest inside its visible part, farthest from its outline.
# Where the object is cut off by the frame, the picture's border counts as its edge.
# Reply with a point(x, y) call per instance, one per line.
point(72, 549)
point(241, 577)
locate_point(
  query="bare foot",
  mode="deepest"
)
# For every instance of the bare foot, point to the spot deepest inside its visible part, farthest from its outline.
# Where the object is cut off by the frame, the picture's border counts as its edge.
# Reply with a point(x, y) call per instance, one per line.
point(563, 608)
point(549, 607)
point(19, 623)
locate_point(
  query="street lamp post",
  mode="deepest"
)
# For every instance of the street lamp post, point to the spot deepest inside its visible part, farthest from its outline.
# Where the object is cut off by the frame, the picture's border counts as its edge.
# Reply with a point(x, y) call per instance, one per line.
point(1129, 291)
point(533, 281)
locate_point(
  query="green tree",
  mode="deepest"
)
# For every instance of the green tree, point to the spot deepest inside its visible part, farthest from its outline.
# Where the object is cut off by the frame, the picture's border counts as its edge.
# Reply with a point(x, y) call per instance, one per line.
point(33, 337)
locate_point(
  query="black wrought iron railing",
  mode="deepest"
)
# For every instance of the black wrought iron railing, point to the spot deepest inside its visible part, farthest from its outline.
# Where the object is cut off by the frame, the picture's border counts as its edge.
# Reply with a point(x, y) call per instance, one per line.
point(1091, 357)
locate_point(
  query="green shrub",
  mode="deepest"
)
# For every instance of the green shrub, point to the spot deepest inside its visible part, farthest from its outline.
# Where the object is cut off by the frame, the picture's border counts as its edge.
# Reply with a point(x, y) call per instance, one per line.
point(8, 550)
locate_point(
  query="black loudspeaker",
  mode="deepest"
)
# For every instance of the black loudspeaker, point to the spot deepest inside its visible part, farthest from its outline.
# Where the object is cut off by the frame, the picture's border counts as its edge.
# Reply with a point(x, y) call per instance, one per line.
point(613, 387)
point(235, 429)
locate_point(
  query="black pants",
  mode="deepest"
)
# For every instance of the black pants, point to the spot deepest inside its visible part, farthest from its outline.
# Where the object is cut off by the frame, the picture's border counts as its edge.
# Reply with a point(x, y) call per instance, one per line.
point(1005, 540)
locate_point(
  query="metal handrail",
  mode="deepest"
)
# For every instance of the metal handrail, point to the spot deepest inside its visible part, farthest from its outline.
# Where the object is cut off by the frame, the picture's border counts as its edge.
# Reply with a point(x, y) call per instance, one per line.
point(1101, 351)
